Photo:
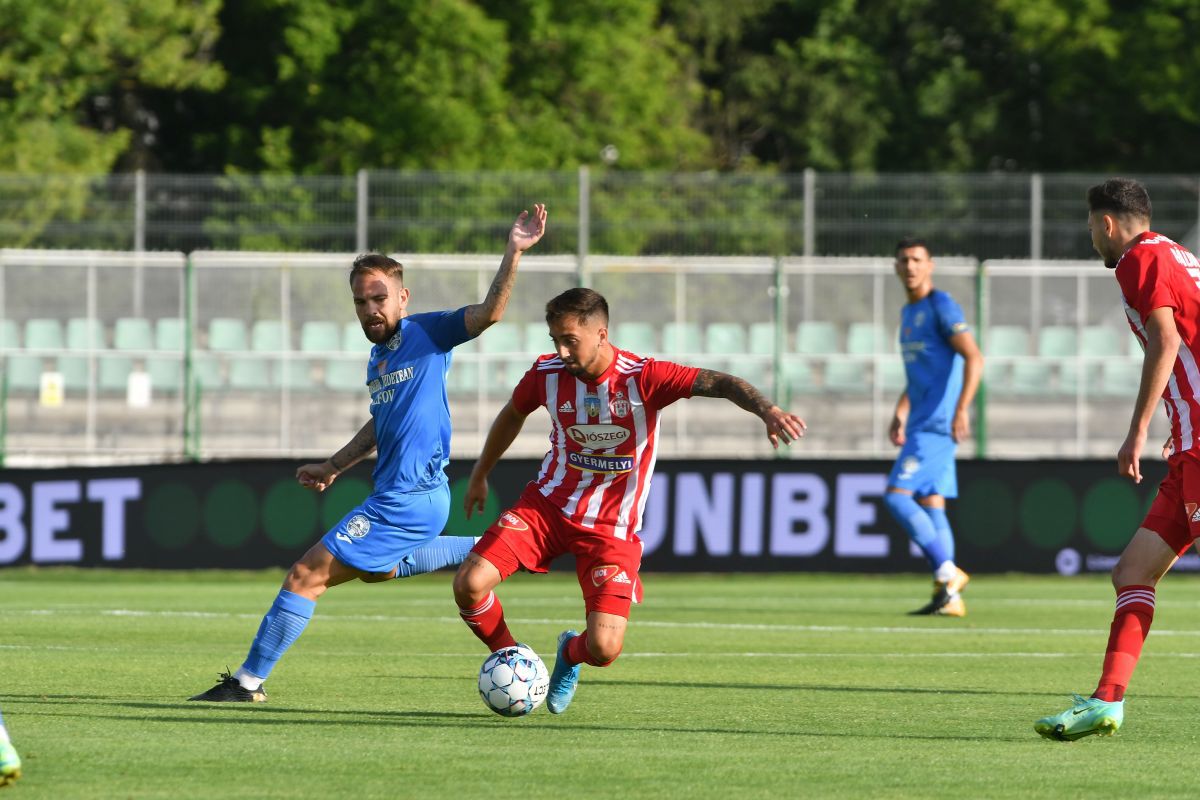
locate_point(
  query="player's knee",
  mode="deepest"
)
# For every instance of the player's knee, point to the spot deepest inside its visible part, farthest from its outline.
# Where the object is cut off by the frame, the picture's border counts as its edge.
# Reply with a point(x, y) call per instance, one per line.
point(604, 649)
point(1126, 573)
point(470, 586)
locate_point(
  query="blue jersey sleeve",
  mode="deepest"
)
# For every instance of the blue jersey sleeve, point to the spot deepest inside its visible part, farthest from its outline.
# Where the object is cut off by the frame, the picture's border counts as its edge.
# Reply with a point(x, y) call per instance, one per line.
point(950, 319)
point(448, 329)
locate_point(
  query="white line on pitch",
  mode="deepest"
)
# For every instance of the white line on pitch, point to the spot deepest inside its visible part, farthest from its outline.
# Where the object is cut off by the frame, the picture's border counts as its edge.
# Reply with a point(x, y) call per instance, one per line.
point(956, 630)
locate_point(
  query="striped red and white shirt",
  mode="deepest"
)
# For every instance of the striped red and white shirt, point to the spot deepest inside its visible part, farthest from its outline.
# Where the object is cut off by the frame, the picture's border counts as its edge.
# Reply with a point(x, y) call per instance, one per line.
point(604, 435)
point(1158, 273)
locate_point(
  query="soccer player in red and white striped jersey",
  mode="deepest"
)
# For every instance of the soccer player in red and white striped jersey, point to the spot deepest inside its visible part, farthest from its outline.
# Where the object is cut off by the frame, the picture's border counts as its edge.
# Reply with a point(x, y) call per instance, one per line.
point(604, 405)
point(1160, 287)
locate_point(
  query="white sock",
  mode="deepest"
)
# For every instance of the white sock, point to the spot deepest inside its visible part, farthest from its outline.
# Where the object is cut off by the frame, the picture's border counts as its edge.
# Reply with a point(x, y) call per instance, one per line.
point(249, 682)
point(946, 572)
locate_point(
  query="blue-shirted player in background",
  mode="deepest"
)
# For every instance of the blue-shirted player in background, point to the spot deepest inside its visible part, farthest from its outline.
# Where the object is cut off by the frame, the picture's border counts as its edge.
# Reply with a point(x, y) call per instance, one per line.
point(394, 533)
point(942, 365)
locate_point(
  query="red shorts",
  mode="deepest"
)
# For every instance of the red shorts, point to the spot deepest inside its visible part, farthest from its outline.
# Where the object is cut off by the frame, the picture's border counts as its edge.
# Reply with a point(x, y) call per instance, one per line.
point(534, 532)
point(1175, 513)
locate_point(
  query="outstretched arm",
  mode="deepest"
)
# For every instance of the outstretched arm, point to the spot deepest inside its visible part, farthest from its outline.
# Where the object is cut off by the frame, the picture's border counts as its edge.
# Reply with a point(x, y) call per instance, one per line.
point(781, 425)
point(321, 476)
point(504, 430)
point(525, 233)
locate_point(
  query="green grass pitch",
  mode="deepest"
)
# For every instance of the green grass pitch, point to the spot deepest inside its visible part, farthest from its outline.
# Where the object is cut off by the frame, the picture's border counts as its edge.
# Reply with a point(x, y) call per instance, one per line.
point(730, 687)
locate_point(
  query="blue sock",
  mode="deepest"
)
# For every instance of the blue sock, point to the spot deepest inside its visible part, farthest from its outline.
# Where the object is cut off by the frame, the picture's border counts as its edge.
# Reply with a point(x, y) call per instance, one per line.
point(444, 551)
point(282, 626)
point(942, 525)
point(920, 527)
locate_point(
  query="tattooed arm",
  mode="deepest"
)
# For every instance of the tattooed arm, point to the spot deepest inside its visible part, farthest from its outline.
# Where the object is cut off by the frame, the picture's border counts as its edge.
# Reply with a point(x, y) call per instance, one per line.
point(321, 476)
point(525, 233)
point(781, 425)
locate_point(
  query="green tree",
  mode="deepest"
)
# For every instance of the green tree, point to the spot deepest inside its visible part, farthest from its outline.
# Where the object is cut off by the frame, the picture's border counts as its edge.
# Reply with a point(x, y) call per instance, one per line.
point(73, 74)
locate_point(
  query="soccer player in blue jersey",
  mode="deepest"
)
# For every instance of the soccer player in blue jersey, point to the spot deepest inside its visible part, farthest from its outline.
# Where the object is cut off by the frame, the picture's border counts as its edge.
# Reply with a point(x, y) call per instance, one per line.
point(394, 533)
point(10, 762)
point(942, 365)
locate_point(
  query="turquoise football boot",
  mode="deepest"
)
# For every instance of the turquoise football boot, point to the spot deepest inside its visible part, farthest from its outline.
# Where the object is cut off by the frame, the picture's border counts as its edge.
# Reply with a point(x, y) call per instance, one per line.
point(564, 679)
point(1088, 716)
point(10, 764)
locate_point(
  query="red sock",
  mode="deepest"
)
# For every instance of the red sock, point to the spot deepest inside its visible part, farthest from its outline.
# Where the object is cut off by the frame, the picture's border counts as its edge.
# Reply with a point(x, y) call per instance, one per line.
point(578, 653)
point(486, 621)
point(1131, 623)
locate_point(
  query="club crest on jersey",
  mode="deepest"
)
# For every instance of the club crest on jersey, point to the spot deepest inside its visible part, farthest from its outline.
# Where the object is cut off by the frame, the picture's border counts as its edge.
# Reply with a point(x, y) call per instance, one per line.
point(358, 526)
point(394, 342)
point(512, 522)
point(591, 405)
point(620, 405)
point(609, 572)
point(919, 318)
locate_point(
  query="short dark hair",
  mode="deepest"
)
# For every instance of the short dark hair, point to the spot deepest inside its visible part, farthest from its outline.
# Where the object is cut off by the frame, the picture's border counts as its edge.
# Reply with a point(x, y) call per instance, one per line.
point(912, 241)
point(1122, 197)
point(377, 262)
point(580, 303)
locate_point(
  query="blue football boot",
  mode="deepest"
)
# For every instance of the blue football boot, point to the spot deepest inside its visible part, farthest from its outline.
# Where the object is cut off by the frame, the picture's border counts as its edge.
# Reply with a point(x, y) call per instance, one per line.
point(564, 679)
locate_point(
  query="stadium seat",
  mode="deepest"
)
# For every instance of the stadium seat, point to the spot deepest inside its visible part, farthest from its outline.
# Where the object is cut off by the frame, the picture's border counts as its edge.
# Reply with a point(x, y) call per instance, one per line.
point(320, 336)
point(353, 338)
point(346, 374)
point(44, 334)
point(864, 338)
point(848, 375)
point(1103, 341)
point(761, 339)
point(129, 333)
point(725, 338)
point(682, 339)
point(1120, 377)
point(638, 338)
point(817, 338)
point(1005, 347)
point(463, 377)
point(166, 373)
point(503, 337)
point(502, 348)
point(800, 376)
point(9, 340)
point(269, 336)
point(83, 334)
point(24, 373)
point(1057, 341)
point(537, 339)
point(893, 376)
point(133, 333)
point(1058, 347)
point(227, 335)
point(169, 334)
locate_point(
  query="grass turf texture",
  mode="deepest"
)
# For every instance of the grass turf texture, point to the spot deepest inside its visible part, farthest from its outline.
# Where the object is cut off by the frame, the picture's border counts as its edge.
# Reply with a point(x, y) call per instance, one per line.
point(730, 686)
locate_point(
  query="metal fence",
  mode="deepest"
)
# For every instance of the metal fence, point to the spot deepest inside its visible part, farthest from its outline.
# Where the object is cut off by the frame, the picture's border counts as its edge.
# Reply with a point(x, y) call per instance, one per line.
point(111, 356)
point(984, 216)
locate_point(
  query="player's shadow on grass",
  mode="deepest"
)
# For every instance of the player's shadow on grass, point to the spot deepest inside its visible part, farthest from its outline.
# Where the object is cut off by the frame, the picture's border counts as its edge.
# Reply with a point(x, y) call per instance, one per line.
point(805, 687)
point(536, 725)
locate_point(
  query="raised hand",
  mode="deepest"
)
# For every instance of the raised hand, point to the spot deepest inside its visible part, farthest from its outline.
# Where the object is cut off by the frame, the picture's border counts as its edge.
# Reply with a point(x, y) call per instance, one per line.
point(528, 229)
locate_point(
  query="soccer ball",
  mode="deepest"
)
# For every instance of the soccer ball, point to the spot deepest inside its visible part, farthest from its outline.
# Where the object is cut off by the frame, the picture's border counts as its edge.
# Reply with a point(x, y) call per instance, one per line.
point(513, 681)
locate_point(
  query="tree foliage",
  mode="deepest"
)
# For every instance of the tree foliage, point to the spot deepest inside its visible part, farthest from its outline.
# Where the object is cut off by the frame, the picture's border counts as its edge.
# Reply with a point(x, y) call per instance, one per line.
point(318, 86)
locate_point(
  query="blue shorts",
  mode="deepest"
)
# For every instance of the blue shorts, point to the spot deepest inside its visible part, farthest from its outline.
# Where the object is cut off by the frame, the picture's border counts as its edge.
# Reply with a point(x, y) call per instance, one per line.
point(925, 465)
point(387, 527)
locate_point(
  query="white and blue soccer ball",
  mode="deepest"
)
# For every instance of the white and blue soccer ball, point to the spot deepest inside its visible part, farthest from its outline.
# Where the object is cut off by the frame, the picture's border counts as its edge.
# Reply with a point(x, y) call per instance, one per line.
point(513, 681)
